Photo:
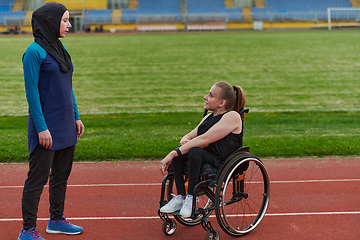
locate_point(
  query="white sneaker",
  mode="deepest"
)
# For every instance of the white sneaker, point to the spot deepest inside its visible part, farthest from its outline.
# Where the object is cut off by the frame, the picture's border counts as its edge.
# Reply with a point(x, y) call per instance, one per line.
point(173, 205)
point(186, 209)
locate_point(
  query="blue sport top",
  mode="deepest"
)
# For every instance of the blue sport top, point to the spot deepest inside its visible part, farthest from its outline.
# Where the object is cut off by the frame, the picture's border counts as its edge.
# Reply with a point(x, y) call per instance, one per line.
point(51, 99)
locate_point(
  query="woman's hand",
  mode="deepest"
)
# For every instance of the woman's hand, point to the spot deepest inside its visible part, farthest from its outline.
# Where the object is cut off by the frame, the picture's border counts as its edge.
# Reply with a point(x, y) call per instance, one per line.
point(79, 128)
point(45, 139)
point(164, 164)
point(185, 139)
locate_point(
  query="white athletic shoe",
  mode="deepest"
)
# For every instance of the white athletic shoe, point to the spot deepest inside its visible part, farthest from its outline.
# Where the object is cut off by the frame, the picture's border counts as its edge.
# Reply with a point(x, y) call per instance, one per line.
point(173, 205)
point(186, 209)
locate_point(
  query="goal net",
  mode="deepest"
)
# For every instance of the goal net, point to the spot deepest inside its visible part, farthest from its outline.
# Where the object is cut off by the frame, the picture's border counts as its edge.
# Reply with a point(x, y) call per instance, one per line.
point(343, 17)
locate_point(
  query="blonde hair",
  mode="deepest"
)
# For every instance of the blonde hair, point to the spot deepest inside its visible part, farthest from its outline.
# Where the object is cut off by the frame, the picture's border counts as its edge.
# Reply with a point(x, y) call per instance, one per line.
point(234, 97)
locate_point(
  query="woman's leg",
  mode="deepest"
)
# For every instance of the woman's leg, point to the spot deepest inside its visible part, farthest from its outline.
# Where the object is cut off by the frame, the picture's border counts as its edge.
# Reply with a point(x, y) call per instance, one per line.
point(178, 166)
point(59, 175)
point(176, 202)
point(39, 166)
point(196, 158)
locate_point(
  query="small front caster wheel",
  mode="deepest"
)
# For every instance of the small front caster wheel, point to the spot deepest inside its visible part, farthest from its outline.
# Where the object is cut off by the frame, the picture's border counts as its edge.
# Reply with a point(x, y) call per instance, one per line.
point(169, 227)
point(212, 235)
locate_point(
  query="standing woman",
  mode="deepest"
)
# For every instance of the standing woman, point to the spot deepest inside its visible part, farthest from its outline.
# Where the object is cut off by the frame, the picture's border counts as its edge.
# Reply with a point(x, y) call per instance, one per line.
point(54, 122)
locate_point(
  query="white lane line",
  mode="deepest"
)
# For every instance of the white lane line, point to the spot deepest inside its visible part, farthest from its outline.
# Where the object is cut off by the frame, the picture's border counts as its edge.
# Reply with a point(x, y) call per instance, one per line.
point(313, 213)
point(99, 185)
point(157, 217)
point(159, 184)
point(318, 180)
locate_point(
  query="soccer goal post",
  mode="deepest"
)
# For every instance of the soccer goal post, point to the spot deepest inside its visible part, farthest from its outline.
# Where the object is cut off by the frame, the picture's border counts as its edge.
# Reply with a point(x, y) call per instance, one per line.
point(346, 13)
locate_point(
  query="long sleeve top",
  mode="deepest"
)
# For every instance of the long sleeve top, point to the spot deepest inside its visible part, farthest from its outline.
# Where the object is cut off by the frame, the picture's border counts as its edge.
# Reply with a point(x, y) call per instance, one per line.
point(51, 99)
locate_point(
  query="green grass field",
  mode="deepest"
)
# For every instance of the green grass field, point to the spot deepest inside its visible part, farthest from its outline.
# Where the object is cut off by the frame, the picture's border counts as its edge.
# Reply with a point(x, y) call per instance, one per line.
point(139, 93)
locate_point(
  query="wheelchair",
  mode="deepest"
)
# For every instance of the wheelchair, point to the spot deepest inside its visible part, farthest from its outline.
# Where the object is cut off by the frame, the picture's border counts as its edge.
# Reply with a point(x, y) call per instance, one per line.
point(238, 192)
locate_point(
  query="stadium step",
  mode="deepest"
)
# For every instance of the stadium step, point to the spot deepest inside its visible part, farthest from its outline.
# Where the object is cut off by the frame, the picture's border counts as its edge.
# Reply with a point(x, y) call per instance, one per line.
point(27, 18)
point(133, 4)
point(18, 5)
point(116, 16)
point(355, 3)
point(229, 4)
point(260, 4)
point(247, 13)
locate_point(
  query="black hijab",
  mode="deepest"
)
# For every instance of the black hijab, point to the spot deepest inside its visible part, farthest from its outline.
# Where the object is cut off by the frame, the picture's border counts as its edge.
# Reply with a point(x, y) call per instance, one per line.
point(46, 30)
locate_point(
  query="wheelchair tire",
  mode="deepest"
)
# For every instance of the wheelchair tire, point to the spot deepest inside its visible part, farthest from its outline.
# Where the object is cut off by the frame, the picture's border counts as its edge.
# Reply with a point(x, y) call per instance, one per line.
point(169, 227)
point(242, 194)
point(203, 202)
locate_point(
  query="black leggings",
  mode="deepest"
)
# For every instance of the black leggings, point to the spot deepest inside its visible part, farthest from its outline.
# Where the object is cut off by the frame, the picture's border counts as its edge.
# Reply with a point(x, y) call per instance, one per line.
point(195, 159)
point(41, 161)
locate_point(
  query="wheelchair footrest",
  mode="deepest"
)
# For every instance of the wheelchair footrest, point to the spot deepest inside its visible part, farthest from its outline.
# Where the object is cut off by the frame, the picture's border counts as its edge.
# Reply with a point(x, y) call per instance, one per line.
point(163, 216)
point(177, 213)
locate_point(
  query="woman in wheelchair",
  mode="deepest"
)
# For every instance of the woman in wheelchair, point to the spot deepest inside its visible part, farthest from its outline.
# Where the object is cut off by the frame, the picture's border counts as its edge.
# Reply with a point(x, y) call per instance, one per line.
point(211, 142)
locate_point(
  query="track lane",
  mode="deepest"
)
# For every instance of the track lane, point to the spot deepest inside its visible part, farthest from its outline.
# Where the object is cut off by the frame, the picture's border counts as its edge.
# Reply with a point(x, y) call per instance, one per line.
point(128, 202)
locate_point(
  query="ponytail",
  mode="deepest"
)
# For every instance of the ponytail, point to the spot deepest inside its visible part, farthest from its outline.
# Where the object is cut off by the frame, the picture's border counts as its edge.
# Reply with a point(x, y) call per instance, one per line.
point(234, 97)
point(240, 100)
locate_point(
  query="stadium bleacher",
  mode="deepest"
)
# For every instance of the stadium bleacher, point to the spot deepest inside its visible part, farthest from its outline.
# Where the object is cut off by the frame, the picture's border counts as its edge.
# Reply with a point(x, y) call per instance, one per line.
point(185, 12)
point(6, 5)
point(7, 15)
point(98, 15)
point(129, 15)
point(212, 7)
point(297, 10)
point(202, 11)
point(154, 7)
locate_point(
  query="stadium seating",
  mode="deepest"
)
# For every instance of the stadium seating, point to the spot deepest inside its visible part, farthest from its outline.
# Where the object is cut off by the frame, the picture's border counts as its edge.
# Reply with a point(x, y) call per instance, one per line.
point(6, 5)
point(81, 4)
point(129, 15)
point(7, 15)
point(98, 16)
point(159, 7)
point(296, 10)
point(213, 7)
point(153, 7)
point(208, 11)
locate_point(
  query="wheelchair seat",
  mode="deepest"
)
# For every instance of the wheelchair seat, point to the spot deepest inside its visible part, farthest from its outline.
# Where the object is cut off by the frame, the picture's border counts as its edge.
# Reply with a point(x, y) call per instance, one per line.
point(208, 171)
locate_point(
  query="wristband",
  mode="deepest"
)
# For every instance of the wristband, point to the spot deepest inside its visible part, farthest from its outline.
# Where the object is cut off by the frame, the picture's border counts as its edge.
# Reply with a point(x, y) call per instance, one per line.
point(178, 151)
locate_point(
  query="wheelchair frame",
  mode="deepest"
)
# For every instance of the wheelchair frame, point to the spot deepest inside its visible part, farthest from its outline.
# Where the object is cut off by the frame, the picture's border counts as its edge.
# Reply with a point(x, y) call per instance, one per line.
point(238, 191)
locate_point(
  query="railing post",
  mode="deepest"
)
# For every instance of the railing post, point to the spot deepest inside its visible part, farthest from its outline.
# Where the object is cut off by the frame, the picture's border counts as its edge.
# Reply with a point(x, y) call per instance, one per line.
point(329, 18)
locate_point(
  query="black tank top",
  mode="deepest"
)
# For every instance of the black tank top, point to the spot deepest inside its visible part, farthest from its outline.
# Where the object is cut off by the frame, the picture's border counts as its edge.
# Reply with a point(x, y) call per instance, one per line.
point(225, 146)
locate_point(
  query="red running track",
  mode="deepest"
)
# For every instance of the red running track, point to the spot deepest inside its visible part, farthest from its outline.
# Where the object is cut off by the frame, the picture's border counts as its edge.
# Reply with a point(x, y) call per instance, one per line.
point(309, 199)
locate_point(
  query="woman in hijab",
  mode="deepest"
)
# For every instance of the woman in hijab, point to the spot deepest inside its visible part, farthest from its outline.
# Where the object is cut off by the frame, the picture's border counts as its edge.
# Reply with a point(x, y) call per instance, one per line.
point(54, 122)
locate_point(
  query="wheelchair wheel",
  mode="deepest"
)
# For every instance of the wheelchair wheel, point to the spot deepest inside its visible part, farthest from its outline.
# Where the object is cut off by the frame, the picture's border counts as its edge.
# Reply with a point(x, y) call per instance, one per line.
point(202, 201)
point(169, 227)
point(242, 195)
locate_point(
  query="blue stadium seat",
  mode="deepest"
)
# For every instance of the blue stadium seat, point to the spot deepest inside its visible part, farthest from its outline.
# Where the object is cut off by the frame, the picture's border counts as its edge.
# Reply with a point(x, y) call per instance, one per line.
point(153, 7)
point(298, 10)
point(159, 7)
point(213, 7)
point(98, 15)
point(6, 5)
point(129, 15)
point(12, 16)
